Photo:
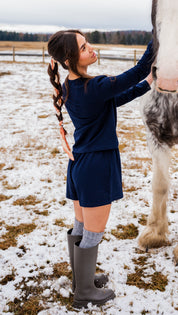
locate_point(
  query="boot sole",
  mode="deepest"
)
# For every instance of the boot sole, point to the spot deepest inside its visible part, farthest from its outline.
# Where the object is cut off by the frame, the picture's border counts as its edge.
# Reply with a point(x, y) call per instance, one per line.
point(84, 303)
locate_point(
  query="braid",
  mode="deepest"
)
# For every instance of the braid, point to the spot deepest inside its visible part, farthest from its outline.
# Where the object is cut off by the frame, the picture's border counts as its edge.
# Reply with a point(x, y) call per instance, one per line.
point(57, 97)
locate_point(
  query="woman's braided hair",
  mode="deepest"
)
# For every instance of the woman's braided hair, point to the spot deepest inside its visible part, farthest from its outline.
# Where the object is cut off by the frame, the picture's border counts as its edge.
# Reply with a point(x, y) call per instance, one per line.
point(55, 81)
point(62, 46)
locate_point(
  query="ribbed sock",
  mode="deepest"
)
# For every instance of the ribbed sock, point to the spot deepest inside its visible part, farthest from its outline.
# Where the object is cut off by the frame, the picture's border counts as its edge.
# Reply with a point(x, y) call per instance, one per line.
point(78, 228)
point(90, 239)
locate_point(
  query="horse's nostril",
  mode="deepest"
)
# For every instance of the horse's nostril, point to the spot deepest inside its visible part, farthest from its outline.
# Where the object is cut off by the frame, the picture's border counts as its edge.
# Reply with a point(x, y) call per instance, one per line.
point(154, 69)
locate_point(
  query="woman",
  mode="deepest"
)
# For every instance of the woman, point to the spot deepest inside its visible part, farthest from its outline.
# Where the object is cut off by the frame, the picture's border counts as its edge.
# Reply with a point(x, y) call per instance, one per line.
point(94, 170)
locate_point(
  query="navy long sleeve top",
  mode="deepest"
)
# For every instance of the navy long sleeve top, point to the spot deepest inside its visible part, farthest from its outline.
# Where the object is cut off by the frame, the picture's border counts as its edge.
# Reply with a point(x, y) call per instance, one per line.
point(92, 105)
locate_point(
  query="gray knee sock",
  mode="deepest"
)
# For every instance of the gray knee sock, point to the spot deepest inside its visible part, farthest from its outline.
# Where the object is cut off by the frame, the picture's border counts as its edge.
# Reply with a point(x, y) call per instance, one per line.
point(90, 239)
point(78, 228)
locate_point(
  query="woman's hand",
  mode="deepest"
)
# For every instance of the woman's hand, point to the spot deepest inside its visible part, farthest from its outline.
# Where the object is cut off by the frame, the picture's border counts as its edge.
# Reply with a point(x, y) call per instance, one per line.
point(149, 79)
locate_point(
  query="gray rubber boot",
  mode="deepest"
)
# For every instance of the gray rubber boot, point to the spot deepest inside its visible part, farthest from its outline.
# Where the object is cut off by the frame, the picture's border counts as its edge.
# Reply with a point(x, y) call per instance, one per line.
point(72, 239)
point(99, 280)
point(85, 267)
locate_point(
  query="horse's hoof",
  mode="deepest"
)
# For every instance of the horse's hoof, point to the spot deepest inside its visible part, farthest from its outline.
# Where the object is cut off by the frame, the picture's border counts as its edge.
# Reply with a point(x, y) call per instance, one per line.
point(143, 249)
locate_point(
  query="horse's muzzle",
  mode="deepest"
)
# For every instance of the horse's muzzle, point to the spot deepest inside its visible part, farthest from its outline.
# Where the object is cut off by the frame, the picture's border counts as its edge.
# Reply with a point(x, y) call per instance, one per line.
point(165, 85)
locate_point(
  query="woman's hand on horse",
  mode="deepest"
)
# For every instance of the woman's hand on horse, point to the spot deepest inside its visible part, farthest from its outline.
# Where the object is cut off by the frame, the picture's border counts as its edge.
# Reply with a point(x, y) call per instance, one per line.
point(149, 78)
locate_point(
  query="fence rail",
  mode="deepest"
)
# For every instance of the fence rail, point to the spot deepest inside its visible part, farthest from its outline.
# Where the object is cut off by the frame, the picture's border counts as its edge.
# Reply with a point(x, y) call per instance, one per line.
point(100, 55)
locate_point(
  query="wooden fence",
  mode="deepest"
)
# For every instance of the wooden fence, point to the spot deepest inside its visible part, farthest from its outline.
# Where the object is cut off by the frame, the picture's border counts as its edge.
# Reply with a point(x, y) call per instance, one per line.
point(15, 53)
point(43, 55)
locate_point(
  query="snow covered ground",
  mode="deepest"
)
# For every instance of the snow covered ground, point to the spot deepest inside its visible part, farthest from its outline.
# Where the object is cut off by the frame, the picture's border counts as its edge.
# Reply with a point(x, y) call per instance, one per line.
point(35, 215)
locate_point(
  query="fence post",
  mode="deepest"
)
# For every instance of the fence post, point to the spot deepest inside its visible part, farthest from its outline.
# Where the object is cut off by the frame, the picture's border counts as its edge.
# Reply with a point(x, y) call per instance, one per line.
point(43, 54)
point(135, 57)
point(13, 51)
point(98, 56)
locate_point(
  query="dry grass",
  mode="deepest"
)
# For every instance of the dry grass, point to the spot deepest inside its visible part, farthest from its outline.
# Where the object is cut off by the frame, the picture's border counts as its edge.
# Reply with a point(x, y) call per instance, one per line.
point(62, 269)
point(63, 202)
point(104, 238)
point(4, 197)
point(5, 73)
point(2, 177)
point(8, 186)
point(10, 168)
point(127, 135)
point(39, 45)
point(28, 307)
point(175, 195)
point(143, 159)
point(98, 269)
point(10, 238)
point(3, 150)
point(143, 219)
point(123, 232)
point(55, 151)
point(141, 260)
point(4, 45)
point(158, 281)
point(48, 180)
point(123, 146)
point(43, 116)
point(155, 281)
point(8, 278)
point(44, 212)
point(60, 222)
point(129, 189)
point(32, 300)
point(28, 201)
point(130, 132)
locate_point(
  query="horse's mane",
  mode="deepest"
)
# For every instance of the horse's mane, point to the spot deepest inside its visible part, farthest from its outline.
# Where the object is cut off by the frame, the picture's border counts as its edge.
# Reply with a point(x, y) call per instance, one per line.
point(153, 18)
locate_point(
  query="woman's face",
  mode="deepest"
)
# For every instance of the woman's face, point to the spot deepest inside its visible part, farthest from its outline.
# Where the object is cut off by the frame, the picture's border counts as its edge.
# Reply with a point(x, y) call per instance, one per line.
point(86, 54)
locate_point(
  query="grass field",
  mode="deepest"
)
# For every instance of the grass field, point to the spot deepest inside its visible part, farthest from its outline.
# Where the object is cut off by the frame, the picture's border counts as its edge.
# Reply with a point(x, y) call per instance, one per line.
point(4, 45)
point(39, 45)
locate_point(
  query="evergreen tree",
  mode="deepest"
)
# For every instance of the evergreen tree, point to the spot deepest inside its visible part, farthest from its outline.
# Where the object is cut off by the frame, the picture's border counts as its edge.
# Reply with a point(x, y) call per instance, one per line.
point(95, 37)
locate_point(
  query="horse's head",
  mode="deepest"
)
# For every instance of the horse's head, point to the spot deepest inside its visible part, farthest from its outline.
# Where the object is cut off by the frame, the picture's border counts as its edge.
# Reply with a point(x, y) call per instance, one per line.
point(165, 43)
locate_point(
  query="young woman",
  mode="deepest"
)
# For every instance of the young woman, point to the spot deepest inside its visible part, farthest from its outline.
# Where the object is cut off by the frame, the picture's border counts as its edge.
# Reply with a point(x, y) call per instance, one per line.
point(94, 170)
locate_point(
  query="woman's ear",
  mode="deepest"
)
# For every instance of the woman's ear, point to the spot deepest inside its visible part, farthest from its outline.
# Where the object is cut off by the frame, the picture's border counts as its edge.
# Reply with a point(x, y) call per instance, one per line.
point(66, 62)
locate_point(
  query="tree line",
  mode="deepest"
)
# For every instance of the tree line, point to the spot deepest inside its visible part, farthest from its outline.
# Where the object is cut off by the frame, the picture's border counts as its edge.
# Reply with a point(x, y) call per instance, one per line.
point(24, 37)
point(120, 37)
point(95, 37)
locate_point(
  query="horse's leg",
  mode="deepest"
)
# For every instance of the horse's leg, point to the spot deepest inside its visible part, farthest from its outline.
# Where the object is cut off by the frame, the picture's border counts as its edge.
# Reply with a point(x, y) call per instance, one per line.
point(154, 234)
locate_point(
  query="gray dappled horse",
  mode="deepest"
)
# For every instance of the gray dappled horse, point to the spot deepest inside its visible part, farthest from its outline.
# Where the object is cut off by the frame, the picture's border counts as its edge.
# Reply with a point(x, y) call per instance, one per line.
point(160, 115)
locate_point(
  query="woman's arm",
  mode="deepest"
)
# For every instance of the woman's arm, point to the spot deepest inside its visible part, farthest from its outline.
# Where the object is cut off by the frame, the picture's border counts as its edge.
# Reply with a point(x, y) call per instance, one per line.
point(134, 92)
point(109, 87)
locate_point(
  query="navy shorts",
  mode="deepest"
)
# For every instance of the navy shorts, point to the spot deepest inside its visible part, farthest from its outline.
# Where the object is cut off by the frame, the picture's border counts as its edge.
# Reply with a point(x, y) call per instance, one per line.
point(95, 178)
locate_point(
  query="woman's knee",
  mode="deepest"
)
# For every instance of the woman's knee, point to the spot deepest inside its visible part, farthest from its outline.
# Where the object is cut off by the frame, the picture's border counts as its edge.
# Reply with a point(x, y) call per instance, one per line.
point(95, 218)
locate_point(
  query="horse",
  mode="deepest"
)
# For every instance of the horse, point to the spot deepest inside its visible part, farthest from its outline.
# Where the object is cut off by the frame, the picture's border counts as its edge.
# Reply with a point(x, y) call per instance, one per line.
point(159, 110)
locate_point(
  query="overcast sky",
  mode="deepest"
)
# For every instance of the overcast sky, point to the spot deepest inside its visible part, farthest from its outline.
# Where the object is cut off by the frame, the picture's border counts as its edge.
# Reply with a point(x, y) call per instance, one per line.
point(94, 14)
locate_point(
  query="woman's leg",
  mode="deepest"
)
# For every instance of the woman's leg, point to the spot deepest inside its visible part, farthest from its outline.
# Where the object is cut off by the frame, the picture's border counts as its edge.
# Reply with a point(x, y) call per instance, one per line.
point(78, 224)
point(78, 211)
point(85, 257)
point(95, 220)
point(75, 235)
